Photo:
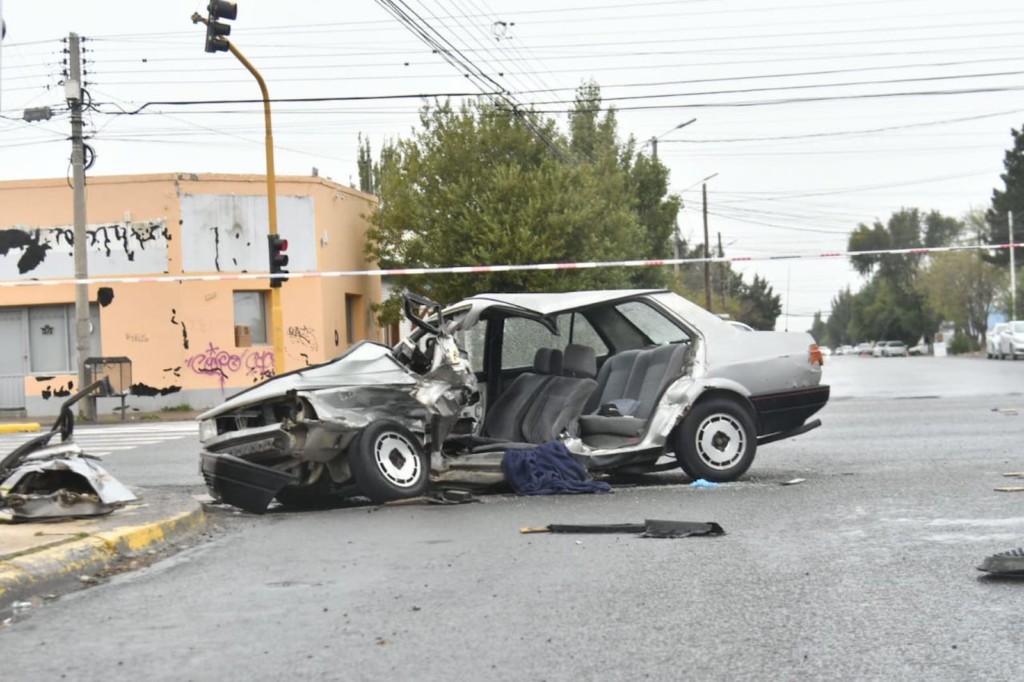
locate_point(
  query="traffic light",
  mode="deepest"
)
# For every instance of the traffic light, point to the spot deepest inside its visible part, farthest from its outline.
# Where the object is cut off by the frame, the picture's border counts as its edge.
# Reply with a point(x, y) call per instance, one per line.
point(278, 258)
point(215, 31)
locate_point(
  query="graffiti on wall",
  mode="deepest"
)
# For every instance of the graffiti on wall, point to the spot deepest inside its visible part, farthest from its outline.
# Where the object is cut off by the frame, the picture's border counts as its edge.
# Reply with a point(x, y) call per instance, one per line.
point(255, 363)
point(112, 249)
point(304, 336)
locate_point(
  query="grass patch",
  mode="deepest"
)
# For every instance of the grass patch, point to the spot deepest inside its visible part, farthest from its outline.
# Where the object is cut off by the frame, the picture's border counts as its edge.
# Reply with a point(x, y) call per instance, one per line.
point(183, 407)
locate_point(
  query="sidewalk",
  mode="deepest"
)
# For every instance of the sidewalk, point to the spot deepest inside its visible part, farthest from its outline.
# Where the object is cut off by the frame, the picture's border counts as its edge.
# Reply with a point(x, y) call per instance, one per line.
point(40, 559)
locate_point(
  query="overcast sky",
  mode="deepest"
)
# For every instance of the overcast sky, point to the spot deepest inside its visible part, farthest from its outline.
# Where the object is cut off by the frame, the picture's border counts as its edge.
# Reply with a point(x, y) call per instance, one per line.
point(815, 115)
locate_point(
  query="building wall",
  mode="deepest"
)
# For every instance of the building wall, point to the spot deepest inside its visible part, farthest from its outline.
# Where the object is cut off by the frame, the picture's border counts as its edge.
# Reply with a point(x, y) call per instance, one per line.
point(181, 336)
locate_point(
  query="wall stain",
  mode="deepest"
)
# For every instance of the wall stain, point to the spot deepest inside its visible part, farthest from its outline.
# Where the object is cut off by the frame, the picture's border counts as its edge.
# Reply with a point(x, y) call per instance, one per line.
point(42, 379)
point(33, 251)
point(59, 392)
point(105, 296)
point(145, 391)
point(216, 248)
point(184, 329)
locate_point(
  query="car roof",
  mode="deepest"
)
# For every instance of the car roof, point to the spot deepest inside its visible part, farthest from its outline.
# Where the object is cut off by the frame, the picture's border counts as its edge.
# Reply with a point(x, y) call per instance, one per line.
point(547, 304)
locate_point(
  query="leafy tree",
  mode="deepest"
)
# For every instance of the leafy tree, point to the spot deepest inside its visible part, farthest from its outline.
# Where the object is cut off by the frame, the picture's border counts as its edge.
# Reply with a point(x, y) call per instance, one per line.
point(818, 329)
point(478, 185)
point(961, 287)
point(1007, 201)
point(755, 304)
point(838, 326)
point(891, 305)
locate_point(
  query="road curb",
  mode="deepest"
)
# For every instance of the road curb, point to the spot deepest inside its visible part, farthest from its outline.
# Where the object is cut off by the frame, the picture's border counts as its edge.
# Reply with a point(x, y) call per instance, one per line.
point(56, 569)
point(30, 427)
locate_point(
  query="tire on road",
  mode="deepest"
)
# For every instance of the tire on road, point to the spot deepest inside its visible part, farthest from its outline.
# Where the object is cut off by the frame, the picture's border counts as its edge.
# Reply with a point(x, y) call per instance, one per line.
point(717, 441)
point(388, 463)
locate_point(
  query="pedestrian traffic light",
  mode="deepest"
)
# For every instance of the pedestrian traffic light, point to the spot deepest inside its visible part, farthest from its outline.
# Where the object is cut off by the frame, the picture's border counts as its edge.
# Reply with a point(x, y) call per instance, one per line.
point(278, 259)
point(215, 31)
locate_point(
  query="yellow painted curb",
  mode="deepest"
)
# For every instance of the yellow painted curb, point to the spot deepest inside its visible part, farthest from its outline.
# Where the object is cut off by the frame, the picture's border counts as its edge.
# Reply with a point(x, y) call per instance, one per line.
point(19, 428)
point(53, 568)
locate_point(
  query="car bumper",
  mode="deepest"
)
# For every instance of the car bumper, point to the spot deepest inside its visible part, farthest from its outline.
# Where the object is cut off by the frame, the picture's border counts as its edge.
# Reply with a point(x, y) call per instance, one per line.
point(787, 411)
point(241, 483)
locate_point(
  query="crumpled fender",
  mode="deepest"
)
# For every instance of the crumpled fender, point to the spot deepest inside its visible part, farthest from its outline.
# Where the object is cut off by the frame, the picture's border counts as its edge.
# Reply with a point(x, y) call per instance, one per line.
point(64, 485)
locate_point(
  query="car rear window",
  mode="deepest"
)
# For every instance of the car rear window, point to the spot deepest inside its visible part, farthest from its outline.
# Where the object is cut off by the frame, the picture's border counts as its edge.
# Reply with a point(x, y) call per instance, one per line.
point(651, 323)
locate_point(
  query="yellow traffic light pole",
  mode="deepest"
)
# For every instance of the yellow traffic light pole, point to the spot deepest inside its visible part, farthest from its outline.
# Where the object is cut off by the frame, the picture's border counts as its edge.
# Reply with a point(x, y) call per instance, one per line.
point(276, 315)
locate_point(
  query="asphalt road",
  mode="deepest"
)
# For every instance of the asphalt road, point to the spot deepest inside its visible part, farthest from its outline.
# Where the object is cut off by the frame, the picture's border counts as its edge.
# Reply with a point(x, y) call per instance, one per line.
point(864, 571)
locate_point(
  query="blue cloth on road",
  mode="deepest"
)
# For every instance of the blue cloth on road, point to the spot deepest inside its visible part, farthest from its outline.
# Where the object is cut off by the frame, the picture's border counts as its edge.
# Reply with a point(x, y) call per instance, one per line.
point(548, 469)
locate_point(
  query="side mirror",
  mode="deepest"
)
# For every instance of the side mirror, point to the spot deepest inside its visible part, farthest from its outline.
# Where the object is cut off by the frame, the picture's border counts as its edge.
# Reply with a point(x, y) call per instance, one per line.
point(410, 300)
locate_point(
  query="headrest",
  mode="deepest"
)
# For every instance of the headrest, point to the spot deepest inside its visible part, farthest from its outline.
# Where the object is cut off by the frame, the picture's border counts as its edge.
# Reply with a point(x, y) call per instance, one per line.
point(579, 361)
point(548, 361)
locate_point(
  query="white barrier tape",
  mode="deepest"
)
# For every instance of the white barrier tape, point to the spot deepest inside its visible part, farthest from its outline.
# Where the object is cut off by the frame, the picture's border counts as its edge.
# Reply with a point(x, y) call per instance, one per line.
point(473, 269)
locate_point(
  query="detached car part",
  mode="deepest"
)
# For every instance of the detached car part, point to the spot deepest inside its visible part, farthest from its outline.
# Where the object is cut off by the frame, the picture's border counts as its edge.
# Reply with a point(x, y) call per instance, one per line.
point(43, 481)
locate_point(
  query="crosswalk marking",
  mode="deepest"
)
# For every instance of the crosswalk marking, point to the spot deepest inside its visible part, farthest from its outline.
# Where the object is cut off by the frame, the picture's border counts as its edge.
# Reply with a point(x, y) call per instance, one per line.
point(102, 440)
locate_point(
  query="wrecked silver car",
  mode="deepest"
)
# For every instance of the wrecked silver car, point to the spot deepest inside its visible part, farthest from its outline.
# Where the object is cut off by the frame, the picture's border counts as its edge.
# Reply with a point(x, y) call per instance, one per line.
point(40, 480)
point(621, 378)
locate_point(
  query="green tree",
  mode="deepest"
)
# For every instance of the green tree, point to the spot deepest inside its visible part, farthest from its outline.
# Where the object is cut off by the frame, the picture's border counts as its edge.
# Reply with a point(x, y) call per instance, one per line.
point(478, 185)
point(1007, 201)
point(755, 303)
point(818, 329)
point(891, 306)
point(963, 286)
point(840, 319)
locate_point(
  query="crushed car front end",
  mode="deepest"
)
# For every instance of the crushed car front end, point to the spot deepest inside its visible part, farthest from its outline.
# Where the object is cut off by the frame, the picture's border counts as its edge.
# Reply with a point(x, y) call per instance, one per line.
point(292, 437)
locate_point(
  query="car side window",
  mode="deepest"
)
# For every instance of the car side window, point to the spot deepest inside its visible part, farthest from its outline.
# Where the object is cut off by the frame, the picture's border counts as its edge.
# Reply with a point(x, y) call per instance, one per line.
point(574, 328)
point(472, 340)
point(521, 339)
point(652, 323)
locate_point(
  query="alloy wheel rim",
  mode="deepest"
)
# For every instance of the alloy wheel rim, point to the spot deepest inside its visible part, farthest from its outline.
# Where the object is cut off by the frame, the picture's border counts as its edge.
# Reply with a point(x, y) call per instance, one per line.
point(397, 460)
point(721, 441)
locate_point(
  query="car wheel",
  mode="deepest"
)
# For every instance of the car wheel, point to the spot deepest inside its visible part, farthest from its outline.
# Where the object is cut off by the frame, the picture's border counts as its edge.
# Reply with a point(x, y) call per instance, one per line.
point(716, 441)
point(388, 463)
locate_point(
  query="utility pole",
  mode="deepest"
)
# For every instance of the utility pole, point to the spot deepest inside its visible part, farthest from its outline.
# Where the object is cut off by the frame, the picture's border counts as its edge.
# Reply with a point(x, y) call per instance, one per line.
point(73, 93)
point(654, 148)
point(721, 271)
point(707, 254)
point(1013, 270)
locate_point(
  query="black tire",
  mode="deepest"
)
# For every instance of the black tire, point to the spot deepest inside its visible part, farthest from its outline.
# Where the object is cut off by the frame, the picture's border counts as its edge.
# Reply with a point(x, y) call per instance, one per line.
point(388, 463)
point(717, 441)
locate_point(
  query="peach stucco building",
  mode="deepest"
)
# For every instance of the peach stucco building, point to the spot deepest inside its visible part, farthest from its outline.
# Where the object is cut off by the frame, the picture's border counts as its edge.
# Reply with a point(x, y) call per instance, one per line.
point(182, 337)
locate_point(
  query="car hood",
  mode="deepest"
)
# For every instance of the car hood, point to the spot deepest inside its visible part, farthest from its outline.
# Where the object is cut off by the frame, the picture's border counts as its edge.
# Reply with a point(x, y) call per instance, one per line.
point(365, 364)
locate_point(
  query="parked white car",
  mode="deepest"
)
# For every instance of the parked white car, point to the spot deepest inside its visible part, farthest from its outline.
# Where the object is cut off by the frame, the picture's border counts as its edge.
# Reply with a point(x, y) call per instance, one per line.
point(992, 340)
point(890, 349)
point(1011, 340)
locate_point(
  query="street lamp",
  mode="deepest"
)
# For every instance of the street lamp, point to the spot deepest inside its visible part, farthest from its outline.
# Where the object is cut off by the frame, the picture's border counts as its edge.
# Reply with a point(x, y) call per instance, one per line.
point(654, 140)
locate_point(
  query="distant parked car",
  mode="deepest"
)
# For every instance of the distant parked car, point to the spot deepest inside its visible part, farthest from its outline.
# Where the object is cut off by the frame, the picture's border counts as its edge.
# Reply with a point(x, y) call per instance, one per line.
point(1011, 340)
point(863, 349)
point(844, 350)
point(890, 349)
point(992, 340)
point(919, 349)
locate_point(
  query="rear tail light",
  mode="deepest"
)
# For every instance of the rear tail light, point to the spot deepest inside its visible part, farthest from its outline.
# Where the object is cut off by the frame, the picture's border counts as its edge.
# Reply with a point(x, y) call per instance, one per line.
point(815, 355)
